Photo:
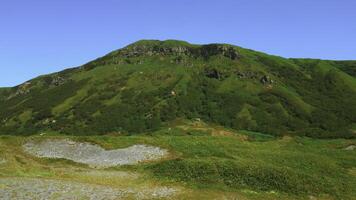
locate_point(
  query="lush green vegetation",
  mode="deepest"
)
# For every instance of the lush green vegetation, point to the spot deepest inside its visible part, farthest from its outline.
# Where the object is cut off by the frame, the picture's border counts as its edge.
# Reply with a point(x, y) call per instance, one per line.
point(148, 84)
point(237, 122)
point(245, 165)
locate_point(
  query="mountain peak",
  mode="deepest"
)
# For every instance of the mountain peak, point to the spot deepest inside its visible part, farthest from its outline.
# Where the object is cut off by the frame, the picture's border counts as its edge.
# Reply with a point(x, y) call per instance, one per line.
point(177, 48)
point(149, 83)
point(166, 43)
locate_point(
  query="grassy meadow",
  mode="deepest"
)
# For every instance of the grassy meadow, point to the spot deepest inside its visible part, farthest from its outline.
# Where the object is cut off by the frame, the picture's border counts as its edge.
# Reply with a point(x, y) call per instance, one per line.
point(208, 162)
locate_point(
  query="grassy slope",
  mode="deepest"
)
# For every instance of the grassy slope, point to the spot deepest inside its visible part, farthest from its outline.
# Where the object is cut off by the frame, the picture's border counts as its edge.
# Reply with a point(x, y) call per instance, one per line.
point(248, 165)
point(130, 91)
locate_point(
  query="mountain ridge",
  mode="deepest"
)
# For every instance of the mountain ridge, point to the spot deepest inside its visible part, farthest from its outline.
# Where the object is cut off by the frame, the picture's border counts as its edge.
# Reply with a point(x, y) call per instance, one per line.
point(348, 66)
point(149, 83)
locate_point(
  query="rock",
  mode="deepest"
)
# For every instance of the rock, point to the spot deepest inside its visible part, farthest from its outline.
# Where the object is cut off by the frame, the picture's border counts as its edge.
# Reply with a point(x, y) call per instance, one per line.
point(4, 120)
point(350, 147)
point(160, 50)
point(54, 80)
point(312, 197)
point(57, 80)
point(266, 80)
point(27, 84)
point(37, 188)
point(2, 161)
point(156, 193)
point(229, 52)
point(94, 155)
point(178, 60)
point(155, 50)
point(21, 90)
point(212, 73)
point(247, 74)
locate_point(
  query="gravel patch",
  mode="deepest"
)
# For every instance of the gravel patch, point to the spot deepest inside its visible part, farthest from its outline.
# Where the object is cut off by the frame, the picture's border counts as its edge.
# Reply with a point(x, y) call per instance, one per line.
point(2, 161)
point(94, 155)
point(34, 188)
point(156, 193)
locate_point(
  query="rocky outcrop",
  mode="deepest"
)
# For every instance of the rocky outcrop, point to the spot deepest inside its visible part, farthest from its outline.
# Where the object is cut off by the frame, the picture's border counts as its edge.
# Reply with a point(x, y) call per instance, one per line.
point(204, 51)
point(212, 73)
point(55, 80)
point(21, 90)
point(179, 50)
point(217, 49)
point(246, 74)
point(266, 80)
point(58, 80)
point(145, 50)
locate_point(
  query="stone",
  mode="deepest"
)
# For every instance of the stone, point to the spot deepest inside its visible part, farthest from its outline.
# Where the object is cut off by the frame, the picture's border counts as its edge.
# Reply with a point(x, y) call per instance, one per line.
point(2, 161)
point(350, 147)
point(57, 80)
point(37, 188)
point(93, 155)
point(212, 73)
point(266, 80)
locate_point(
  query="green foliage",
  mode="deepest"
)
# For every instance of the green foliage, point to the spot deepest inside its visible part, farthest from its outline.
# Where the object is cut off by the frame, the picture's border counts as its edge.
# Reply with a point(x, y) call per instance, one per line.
point(296, 166)
point(257, 176)
point(267, 167)
point(138, 88)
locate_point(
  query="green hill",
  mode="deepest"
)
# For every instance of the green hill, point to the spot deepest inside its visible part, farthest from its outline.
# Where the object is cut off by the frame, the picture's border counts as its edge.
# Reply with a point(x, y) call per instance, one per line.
point(148, 84)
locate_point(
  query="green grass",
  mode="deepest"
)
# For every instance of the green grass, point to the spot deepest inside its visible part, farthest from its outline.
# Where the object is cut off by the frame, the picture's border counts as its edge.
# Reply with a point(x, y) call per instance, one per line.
point(296, 166)
point(229, 136)
point(256, 167)
point(130, 91)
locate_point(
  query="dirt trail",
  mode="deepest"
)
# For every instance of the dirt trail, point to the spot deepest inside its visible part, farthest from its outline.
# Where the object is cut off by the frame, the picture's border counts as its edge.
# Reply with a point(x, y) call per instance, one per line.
point(36, 188)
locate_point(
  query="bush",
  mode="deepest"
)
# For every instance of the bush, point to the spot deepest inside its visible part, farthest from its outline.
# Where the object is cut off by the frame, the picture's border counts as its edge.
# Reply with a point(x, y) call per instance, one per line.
point(233, 174)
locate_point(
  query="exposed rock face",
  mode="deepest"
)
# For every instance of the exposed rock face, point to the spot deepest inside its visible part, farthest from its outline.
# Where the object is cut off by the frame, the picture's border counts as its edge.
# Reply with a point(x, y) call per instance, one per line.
point(21, 90)
point(141, 50)
point(204, 51)
point(25, 88)
point(57, 81)
point(266, 80)
point(94, 155)
point(247, 74)
point(54, 80)
point(216, 49)
point(181, 52)
point(221, 75)
point(212, 73)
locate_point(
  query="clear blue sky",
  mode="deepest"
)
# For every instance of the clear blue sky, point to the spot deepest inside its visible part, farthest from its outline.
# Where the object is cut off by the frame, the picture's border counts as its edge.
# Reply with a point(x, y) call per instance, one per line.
point(42, 36)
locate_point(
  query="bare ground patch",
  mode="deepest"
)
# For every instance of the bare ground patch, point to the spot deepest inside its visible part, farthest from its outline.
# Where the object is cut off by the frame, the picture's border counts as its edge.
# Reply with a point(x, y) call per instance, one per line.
point(37, 188)
point(92, 154)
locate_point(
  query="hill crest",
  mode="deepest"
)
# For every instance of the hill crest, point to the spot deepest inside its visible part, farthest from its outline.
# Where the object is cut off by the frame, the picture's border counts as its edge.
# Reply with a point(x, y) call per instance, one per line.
point(145, 85)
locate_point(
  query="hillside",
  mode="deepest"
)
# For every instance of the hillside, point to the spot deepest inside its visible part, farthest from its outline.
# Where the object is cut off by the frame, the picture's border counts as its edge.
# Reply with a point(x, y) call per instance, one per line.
point(150, 84)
